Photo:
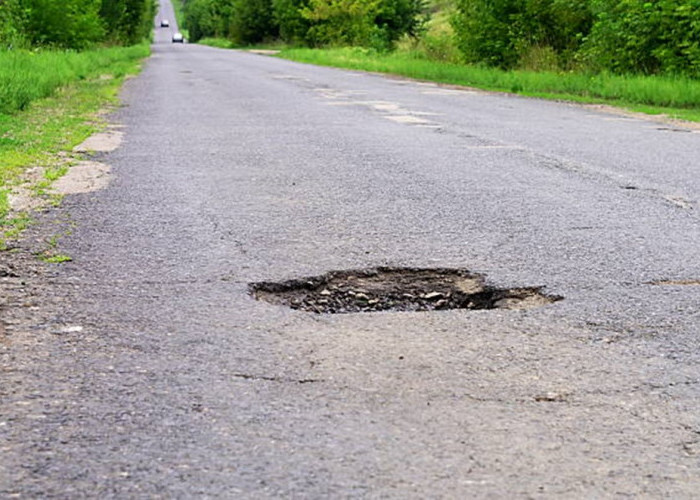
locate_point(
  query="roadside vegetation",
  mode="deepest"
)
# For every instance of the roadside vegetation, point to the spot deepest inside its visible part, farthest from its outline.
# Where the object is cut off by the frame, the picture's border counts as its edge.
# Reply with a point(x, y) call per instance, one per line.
point(675, 96)
point(639, 54)
point(60, 64)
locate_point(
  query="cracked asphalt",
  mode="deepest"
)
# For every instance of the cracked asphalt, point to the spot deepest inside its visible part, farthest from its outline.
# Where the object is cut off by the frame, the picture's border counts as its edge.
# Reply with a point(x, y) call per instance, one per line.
point(144, 369)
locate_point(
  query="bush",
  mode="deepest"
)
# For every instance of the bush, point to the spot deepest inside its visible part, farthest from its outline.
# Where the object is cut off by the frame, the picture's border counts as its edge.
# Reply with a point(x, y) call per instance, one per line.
point(12, 24)
point(645, 37)
point(293, 26)
point(74, 24)
point(207, 18)
point(252, 21)
point(504, 33)
point(127, 21)
point(367, 23)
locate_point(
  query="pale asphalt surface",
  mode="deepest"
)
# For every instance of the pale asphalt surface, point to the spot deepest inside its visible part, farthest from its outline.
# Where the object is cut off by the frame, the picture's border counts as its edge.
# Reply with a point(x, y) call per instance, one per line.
point(238, 167)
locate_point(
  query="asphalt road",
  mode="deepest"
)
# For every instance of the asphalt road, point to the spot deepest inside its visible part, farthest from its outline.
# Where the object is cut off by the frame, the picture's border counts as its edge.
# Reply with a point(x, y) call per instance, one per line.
point(144, 369)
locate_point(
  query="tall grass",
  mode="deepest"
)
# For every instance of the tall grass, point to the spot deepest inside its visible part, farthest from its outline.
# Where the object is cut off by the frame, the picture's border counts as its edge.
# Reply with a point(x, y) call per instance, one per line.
point(26, 76)
point(655, 91)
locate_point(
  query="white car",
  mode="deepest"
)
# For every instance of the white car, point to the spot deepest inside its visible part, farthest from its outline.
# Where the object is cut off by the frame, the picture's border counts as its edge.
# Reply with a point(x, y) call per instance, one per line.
point(164, 23)
point(178, 38)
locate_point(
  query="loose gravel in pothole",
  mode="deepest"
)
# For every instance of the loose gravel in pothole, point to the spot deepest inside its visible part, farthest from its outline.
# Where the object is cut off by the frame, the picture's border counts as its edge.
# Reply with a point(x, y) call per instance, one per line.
point(396, 289)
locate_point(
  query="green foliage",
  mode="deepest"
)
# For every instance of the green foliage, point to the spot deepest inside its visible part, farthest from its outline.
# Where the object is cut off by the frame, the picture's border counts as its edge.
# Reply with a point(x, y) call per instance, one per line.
point(376, 23)
point(623, 36)
point(12, 23)
point(252, 21)
point(127, 21)
point(207, 18)
point(88, 81)
point(678, 97)
point(401, 17)
point(647, 37)
point(293, 26)
point(243, 22)
point(368, 23)
point(503, 33)
point(26, 75)
point(74, 24)
point(341, 22)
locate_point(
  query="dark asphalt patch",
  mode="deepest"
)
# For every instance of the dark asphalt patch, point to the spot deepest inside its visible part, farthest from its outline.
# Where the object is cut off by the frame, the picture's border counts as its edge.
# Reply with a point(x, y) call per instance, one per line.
point(687, 282)
point(396, 289)
point(673, 129)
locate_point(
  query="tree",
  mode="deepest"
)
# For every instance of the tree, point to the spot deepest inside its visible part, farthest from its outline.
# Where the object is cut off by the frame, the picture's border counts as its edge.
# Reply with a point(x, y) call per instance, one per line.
point(12, 24)
point(648, 37)
point(127, 21)
point(208, 18)
point(503, 32)
point(252, 21)
point(375, 23)
point(293, 26)
point(74, 24)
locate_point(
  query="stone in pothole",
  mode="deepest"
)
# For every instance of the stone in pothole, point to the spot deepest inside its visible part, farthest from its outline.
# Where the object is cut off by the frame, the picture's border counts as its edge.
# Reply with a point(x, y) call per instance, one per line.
point(396, 289)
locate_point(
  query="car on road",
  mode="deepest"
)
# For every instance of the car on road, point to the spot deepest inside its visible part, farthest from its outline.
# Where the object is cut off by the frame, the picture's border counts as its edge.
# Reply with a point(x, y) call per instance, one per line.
point(178, 38)
point(164, 23)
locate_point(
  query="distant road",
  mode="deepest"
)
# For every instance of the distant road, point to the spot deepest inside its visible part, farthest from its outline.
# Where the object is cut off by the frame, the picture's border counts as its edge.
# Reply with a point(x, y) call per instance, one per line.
point(148, 371)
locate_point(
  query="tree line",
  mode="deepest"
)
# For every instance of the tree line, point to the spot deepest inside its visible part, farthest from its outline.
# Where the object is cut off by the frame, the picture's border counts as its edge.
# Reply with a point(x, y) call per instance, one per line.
point(374, 23)
point(74, 24)
point(621, 36)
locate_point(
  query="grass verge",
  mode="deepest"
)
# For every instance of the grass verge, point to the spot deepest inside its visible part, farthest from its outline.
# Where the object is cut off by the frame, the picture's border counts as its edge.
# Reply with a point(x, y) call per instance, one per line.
point(56, 116)
point(676, 97)
point(222, 43)
point(219, 43)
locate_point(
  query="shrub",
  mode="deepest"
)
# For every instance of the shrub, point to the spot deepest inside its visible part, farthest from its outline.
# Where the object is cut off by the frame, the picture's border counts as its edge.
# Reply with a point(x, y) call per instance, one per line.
point(368, 23)
point(12, 24)
point(502, 33)
point(207, 18)
point(252, 21)
point(74, 24)
point(293, 26)
point(645, 37)
point(127, 21)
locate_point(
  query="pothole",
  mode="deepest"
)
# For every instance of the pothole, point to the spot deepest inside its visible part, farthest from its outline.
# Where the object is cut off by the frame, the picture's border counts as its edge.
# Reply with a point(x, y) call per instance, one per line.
point(396, 289)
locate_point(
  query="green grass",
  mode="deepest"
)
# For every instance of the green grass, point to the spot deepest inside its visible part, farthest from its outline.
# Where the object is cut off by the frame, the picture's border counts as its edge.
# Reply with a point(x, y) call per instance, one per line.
point(219, 43)
point(222, 43)
point(50, 253)
point(62, 94)
point(676, 97)
point(26, 76)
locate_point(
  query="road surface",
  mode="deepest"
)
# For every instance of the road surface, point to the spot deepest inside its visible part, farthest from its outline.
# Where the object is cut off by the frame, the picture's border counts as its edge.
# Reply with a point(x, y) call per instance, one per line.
point(144, 369)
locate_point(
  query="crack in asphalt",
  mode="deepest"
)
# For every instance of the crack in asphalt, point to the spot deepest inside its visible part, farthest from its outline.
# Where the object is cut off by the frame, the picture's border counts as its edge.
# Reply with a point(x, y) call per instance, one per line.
point(249, 376)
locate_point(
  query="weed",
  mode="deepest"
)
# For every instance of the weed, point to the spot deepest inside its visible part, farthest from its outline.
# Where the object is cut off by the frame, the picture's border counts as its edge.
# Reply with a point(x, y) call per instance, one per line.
point(55, 172)
point(55, 258)
point(50, 253)
point(11, 228)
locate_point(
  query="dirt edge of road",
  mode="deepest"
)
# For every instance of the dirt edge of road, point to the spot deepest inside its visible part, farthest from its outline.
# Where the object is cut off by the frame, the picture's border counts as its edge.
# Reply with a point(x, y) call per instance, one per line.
point(30, 259)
